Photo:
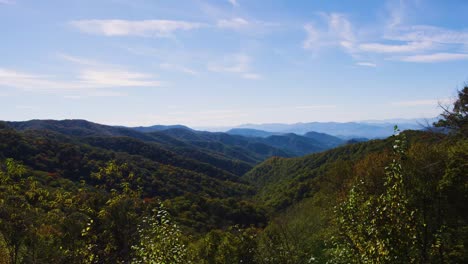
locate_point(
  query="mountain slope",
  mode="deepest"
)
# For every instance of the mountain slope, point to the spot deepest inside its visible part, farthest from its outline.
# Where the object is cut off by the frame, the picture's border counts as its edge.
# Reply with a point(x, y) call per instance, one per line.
point(77, 127)
point(233, 153)
point(295, 144)
point(283, 181)
point(326, 139)
point(247, 132)
point(284, 145)
point(236, 152)
point(238, 147)
point(156, 174)
point(81, 129)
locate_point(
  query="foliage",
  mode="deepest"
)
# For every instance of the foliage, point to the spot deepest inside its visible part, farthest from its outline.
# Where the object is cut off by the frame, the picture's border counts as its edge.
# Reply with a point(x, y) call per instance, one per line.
point(155, 174)
point(235, 245)
point(160, 240)
point(456, 120)
point(378, 229)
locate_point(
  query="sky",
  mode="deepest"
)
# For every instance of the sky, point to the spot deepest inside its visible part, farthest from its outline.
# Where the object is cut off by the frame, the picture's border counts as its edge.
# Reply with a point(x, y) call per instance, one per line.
point(229, 62)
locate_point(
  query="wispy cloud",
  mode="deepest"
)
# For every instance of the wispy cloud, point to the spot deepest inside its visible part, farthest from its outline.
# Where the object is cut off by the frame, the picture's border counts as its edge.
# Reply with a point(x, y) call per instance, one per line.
point(6, 2)
point(313, 37)
point(416, 43)
point(90, 76)
point(116, 78)
point(338, 31)
point(99, 74)
point(366, 64)
point(141, 28)
point(82, 61)
point(397, 13)
point(236, 63)
point(435, 57)
point(425, 33)
point(233, 2)
point(28, 81)
point(388, 48)
point(85, 79)
point(251, 76)
point(234, 23)
point(173, 67)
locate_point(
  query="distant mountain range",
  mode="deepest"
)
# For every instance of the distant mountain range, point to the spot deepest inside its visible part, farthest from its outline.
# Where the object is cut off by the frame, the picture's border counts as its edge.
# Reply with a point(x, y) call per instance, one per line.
point(367, 129)
point(249, 143)
point(235, 151)
point(346, 131)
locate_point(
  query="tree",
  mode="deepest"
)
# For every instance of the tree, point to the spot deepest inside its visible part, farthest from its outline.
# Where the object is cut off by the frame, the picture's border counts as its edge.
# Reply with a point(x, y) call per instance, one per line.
point(160, 240)
point(234, 245)
point(15, 211)
point(378, 228)
point(456, 120)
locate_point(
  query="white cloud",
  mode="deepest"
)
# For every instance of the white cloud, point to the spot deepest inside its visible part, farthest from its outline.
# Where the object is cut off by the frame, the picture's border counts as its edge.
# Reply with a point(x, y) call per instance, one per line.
point(366, 64)
point(425, 33)
point(80, 61)
point(173, 67)
point(337, 32)
point(405, 48)
point(116, 78)
point(340, 26)
point(435, 57)
point(419, 43)
point(22, 80)
point(141, 28)
point(313, 37)
point(251, 76)
point(97, 74)
point(233, 2)
point(397, 11)
point(236, 63)
point(86, 79)
point(7, 2)
point(235, 23)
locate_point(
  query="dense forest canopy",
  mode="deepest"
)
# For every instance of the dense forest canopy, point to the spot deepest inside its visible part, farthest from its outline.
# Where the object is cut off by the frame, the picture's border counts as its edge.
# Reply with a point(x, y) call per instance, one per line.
point(79, 192)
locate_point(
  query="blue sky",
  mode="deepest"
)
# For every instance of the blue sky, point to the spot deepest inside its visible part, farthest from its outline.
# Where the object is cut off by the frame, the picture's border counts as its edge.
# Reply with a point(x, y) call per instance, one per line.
point(228, 62)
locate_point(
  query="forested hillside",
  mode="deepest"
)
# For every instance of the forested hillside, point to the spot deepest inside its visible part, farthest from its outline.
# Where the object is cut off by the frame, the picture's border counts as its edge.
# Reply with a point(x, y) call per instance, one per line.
point(79, 192)
point(191, 143)
point(399, 200)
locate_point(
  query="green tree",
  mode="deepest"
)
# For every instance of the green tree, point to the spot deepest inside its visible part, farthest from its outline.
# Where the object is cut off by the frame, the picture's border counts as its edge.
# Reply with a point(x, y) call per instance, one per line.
point(15, 211)
point(456, 119)
point(234, 245)
point(378, 228)
point(160, 240)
